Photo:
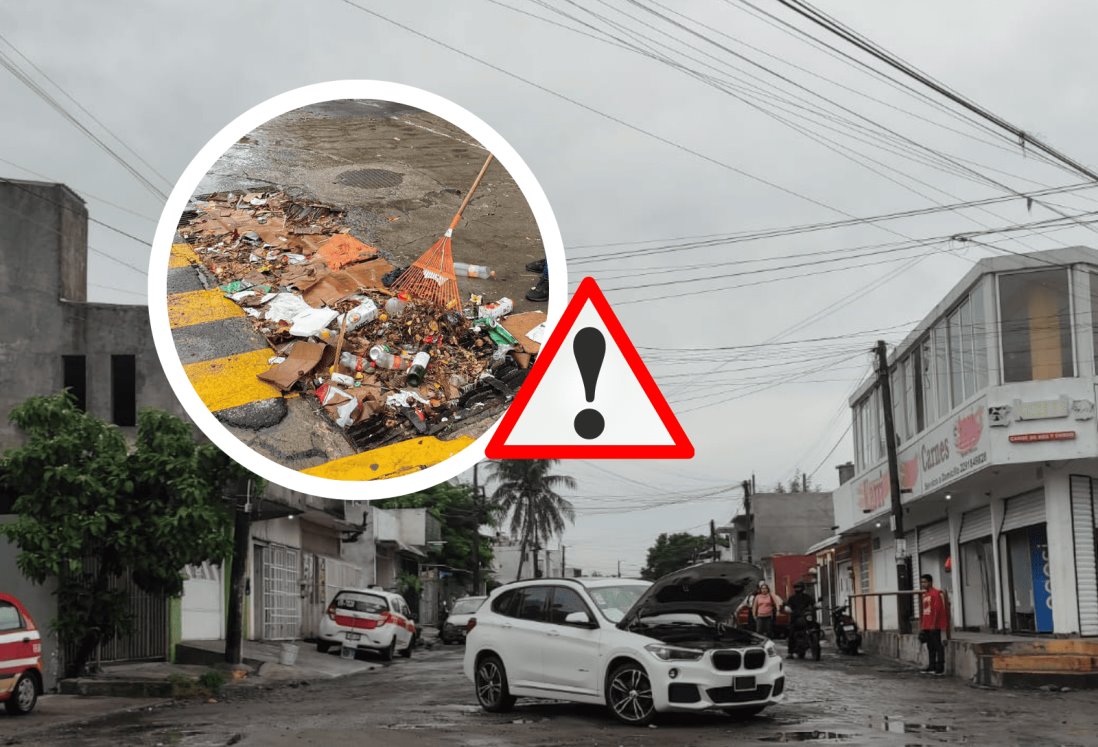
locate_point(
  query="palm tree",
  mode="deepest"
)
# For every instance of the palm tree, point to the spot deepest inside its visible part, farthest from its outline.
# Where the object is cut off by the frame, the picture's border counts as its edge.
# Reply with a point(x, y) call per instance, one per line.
point(526, 490)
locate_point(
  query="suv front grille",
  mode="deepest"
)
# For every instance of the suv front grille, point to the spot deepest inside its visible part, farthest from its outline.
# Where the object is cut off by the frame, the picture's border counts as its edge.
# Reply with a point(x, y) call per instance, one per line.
point(727, 661)
point(754, 659)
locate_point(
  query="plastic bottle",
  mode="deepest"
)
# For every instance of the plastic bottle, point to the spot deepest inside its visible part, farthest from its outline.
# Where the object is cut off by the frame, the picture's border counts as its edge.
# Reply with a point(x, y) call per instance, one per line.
point(419, 366)
point(382, 358)
point(354, 362)
point(396, 305)
point(473, 271)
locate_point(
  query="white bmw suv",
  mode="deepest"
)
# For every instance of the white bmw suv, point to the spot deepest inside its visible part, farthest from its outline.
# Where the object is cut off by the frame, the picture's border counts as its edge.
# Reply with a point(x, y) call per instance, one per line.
point(638, 647)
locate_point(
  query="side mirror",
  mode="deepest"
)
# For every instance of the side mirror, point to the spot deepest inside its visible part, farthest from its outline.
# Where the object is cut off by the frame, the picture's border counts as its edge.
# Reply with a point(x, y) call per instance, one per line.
point(580, 618)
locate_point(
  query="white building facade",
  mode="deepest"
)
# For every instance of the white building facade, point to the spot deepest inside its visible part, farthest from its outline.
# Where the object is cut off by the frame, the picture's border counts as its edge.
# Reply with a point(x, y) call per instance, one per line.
point(994, 406)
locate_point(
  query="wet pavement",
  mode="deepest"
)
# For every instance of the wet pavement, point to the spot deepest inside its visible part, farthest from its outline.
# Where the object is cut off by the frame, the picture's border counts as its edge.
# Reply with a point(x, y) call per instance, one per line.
point(426, 701)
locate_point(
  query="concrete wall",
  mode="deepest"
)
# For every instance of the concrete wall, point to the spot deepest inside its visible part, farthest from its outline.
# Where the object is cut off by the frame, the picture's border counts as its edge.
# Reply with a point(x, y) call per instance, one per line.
point(38, 600)
point(790, 523)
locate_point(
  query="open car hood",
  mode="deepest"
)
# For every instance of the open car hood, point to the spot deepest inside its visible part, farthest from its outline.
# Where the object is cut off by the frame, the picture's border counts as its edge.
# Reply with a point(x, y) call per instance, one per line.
point(711, 589)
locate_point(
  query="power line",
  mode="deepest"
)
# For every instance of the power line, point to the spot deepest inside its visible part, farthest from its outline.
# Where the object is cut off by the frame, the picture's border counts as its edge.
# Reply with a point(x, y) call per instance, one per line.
point(847, 34)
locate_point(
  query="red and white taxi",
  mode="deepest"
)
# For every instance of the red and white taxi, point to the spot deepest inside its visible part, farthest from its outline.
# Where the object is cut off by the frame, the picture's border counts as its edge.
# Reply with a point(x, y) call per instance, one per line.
point(368, 620)
point(20, 657)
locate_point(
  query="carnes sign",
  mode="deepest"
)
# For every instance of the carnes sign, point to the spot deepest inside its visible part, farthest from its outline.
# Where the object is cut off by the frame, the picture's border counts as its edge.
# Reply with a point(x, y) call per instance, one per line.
point(956, 447)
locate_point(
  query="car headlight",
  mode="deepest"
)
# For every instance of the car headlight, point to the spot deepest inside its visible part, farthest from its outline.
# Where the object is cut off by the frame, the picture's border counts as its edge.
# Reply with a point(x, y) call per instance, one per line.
point(770, 649)
point(673, 653)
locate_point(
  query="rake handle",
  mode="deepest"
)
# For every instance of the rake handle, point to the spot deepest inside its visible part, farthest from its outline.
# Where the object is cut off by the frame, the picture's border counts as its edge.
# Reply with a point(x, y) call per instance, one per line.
point(469, 194)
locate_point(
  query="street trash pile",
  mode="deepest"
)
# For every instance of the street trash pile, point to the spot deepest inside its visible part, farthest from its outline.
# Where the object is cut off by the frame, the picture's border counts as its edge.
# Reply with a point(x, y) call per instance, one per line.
point(376, 361)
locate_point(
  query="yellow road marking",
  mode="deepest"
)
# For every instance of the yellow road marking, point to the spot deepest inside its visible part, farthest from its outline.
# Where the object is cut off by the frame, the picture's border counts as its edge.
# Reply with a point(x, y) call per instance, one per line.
point(182, 256)
point(391, 461)
point(231, 381)
point(195, 307)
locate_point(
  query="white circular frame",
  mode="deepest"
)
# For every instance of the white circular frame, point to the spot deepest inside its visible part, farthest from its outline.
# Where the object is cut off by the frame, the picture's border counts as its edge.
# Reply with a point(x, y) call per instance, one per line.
point(185, 188)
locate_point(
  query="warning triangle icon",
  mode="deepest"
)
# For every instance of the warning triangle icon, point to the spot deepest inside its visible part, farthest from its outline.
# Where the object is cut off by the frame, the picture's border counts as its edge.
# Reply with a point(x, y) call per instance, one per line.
point(589, 395)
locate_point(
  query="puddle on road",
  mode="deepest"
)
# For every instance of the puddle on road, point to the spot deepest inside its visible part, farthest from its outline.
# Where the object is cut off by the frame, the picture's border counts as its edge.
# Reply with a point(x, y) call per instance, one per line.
point(807, 736)
point(899, 726)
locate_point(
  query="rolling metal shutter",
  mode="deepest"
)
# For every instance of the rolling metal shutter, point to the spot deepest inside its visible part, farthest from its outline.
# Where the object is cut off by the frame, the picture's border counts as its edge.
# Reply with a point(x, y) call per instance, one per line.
point(975, 525)
point(1024, 511)
point(1083, 520)
point(933, 535)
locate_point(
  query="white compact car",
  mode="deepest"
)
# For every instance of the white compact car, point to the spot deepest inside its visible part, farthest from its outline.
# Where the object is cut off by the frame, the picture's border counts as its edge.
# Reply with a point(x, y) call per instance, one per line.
point(453, 630)
point(368, 620)
point(638, 647)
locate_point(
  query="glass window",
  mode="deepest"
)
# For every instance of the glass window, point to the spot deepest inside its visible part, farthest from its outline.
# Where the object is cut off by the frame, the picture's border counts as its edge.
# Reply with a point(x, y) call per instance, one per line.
point(929, 389)
point(124, 389)
point(898, 420)
point(565, 602)
point(505, 603)
point(467, 606)
point(956, 373)
point(918, 397)
point(1035, 321)
point(980, 334)
point(10, 619)
point(535, 600)
point(941, 368)
point(370, 603)
point(615, 601)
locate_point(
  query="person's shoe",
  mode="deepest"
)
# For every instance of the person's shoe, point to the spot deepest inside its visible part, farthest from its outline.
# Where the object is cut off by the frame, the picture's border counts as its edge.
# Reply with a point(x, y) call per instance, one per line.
point(538, 266)
point(939, 673)
point(539, 292)
point(926, 670)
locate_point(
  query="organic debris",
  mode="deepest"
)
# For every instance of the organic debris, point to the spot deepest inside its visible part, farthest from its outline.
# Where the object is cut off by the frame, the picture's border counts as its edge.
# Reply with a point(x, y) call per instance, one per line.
point(380, 365)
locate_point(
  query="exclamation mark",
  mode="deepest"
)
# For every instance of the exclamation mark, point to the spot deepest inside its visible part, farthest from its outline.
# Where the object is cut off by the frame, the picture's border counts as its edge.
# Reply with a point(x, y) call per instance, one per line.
point(589, 347)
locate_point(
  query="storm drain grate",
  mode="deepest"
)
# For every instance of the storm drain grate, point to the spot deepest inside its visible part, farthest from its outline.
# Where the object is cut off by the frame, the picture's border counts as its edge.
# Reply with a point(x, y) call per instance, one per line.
point(370, 178)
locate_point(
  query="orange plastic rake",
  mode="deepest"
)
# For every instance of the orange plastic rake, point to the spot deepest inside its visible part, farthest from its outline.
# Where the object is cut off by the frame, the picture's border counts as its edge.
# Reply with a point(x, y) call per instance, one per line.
point(431, 277)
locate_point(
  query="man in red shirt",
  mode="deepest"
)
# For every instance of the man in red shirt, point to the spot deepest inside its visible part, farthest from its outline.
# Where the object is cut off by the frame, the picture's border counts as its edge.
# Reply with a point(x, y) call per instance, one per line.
point(933, 623)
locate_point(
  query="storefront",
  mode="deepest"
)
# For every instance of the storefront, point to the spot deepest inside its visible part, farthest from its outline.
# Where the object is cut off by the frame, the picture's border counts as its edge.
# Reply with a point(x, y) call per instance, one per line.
point(1024, 543)
point(979, 604)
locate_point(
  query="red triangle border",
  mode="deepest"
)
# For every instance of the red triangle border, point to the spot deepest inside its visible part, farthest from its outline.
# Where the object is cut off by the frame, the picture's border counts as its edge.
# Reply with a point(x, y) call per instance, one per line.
point(588, 290)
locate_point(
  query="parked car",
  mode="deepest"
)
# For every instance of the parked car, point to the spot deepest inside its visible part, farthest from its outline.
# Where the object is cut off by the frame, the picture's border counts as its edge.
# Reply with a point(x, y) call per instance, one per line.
point(638, 647)
point(453, 629)
point(368, 620)
point(20, 657)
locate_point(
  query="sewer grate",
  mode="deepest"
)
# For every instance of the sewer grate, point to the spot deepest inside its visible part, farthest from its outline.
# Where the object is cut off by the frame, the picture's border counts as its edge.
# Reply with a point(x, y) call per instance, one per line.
point(370, 178)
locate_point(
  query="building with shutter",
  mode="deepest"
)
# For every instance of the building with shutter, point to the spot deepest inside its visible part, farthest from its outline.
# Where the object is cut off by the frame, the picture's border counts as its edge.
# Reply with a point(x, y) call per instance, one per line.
point(994, 407)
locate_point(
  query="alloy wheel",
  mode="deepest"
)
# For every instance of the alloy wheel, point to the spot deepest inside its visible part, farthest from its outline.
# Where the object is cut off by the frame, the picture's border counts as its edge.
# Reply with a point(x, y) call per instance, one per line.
point(489, 683)
point(25, 694)
point(630, 695)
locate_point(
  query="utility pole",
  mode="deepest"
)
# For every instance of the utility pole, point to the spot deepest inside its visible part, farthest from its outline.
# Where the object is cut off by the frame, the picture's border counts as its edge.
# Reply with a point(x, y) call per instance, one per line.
point(619, 569)
point(242, 529)
point(749, 488)
point(476, 533)
point(903, 576)
point(713, 537)
point(563, 573)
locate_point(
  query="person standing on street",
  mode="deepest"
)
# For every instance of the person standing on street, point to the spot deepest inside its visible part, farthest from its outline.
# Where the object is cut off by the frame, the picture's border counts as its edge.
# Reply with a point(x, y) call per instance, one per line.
point(764, 608)
point(934, 622)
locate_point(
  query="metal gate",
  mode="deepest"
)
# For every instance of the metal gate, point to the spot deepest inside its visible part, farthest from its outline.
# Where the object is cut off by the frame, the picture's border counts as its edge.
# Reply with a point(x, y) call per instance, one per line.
point(278, 576)
point(147, 638)
point(1083, 520)
point(1024, 511)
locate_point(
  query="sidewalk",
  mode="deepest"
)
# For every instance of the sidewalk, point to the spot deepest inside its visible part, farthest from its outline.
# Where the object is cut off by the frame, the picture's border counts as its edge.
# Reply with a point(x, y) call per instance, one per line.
point(67, 710)
point(161, 679)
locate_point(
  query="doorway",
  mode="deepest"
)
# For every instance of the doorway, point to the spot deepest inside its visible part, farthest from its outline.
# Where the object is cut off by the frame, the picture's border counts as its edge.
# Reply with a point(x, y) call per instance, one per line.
point(978, 585)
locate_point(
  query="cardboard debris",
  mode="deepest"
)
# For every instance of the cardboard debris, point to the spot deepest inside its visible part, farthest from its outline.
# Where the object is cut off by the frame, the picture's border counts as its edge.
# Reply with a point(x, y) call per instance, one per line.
point(369, 274)
point(329, 289)
point(343, 249)
point(519, 324)
point(301, 361)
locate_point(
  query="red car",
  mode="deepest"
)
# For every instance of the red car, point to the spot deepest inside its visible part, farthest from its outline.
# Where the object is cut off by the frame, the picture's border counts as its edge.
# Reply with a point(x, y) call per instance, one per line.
point(20, 657)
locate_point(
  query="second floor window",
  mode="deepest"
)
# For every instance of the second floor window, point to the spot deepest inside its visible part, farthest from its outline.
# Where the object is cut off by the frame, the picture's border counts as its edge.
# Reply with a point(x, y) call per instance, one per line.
point(1035, 319)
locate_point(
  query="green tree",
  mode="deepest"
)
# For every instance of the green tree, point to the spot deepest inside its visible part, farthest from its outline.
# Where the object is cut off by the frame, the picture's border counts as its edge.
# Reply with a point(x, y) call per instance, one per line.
point(91, 509)
point(672, 552)
point(526, 490)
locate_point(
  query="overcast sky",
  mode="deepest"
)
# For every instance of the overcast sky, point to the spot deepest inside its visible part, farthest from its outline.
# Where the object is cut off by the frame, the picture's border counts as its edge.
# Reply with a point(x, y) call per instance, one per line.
point(674, 153)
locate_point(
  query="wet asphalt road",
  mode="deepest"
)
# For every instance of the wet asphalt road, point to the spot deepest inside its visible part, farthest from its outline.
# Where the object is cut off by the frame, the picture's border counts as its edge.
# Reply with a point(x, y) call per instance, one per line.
point(426, 701)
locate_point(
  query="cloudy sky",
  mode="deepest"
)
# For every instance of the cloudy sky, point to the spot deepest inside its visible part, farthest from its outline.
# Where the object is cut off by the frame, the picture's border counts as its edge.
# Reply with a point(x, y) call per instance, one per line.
point(660, 132)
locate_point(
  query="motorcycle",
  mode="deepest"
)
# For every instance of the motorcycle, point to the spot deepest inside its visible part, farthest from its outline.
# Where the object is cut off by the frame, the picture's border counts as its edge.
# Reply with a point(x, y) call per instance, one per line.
point(805, 635)
point(847, 637)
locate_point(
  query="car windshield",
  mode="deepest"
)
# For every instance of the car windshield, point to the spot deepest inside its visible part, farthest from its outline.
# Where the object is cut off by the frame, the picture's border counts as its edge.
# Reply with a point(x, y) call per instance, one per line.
point(361, 602)
point(615, 601)
point(466, 606)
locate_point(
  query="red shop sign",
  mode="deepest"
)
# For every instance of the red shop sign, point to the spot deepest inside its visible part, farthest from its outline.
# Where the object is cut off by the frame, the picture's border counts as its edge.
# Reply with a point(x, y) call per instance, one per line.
point(1029, 438)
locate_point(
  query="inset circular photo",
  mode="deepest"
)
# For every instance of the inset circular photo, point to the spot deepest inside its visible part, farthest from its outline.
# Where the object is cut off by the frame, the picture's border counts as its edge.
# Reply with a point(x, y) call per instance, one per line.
point(349, 293)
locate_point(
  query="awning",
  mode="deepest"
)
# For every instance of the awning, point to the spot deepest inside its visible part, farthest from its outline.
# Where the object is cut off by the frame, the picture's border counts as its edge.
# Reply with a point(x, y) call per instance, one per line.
point(401, 547)
point(823, 545)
